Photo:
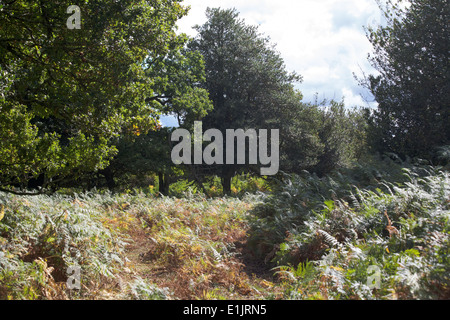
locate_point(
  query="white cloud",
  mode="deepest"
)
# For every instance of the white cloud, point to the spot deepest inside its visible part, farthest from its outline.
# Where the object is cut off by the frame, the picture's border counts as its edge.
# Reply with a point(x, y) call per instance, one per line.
point(323, 40)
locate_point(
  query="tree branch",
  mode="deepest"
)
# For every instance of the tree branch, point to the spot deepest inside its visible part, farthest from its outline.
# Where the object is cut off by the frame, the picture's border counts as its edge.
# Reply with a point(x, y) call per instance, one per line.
point(22, 193)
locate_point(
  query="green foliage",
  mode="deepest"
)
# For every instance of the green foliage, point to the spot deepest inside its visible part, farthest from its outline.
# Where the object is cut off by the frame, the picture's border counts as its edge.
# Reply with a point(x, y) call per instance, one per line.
point(443, 155)
point(412, 88)
point(184, 188)
point(299, 280)
point(79, 108)
point(342, 133)
point(139, 157)
point(246, 183)
point(176, 77)
point(246, 79)
point(325, 235)
point(241, 186)
point(298, 197)
point(67, 93)
point(250, 88)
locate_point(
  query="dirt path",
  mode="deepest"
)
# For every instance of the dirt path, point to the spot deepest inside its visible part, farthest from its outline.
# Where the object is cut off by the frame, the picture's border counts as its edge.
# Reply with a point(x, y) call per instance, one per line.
point(242, 277)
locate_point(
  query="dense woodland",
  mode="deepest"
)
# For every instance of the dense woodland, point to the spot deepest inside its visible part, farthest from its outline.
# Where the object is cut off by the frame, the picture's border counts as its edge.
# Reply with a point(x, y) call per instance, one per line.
point(87, 179)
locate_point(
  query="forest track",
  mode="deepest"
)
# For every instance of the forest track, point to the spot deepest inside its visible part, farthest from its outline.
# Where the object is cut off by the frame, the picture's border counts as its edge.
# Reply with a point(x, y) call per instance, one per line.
point(244, 276)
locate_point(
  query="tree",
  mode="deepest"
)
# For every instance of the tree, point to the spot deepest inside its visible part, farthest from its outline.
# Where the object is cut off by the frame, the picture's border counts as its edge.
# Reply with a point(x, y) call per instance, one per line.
point(66, 93)
point(342, 132)
point(176, 77)
point(140, 156)
point(411, 54)
point(247, 82)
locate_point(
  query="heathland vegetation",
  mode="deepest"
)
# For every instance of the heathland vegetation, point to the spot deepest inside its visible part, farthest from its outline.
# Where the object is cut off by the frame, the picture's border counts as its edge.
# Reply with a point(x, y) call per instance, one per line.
point(359, 209)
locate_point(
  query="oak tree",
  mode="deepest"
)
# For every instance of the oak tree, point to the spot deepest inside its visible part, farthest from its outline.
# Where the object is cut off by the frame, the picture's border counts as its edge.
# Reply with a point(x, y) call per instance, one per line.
point(66, 93)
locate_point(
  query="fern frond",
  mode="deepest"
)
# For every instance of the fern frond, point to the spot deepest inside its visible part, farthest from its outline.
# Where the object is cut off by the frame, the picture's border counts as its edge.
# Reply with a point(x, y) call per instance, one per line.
point(332, 241)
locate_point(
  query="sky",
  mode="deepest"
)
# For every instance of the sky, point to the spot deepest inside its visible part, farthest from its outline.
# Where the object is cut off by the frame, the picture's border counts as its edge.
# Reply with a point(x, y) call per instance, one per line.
point(322, 40)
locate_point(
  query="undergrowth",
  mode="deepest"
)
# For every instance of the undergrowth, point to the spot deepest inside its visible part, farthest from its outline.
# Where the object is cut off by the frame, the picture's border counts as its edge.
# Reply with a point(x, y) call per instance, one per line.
point(42, 236)
point(376, 231)
point(193, 241)
point(330, 235)
point(190, 240)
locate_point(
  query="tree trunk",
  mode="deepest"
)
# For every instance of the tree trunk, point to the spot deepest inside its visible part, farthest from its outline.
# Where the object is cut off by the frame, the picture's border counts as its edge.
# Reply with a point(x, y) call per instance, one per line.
point(37, 183)
point(109, 178)
point(164, 183)
point(226, 180)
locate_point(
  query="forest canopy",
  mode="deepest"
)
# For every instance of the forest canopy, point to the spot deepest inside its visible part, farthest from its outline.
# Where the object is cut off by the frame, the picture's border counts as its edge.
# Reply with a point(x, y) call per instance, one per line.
point(67, 93)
